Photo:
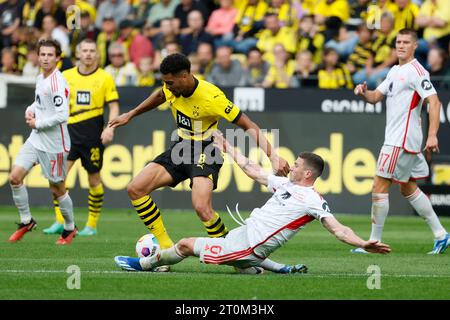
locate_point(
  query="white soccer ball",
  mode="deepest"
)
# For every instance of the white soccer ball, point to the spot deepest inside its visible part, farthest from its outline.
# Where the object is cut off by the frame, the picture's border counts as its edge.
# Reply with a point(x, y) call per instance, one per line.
point(147, 246)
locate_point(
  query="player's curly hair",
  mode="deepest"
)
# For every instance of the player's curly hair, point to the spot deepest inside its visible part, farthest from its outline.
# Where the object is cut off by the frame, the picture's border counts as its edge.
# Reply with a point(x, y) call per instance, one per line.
point(314, 161)
point(175, 63)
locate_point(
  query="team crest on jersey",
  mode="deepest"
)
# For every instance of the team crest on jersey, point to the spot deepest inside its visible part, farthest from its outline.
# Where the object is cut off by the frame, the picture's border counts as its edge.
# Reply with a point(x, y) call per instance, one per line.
point(391, 85)
point(38, 99)
point(58, 101)
point(426, 85)
point(195, 112)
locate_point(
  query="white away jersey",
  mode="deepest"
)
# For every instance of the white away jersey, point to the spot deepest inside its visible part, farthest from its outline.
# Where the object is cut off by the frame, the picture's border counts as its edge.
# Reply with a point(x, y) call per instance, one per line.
point(291, 207)
point(51, 110)
point(406, 87)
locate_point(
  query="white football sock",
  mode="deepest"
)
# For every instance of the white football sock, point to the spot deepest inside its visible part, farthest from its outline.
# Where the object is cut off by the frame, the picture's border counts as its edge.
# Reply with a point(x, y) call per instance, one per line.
point(165, 257)
point(20, 197)
point(422, 205)
point(270, 265)
point(380, 209)
point(66, 207)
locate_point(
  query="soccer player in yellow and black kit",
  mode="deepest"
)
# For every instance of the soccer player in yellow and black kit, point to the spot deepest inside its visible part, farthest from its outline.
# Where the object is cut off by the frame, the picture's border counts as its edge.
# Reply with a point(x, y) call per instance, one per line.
point(90, 88)
point(197, 106)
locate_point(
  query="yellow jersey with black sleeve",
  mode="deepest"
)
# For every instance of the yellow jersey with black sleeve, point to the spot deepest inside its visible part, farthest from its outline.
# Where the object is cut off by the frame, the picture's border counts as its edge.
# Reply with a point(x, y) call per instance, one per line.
point(198, 114)
point(88, 95)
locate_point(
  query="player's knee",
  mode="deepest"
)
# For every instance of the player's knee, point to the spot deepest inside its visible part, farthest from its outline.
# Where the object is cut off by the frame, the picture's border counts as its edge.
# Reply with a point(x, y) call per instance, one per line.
point(407, 190)
point(57, 190)
point(185, 246)
point(14, 179)
point(380, 185)
point(134, 191)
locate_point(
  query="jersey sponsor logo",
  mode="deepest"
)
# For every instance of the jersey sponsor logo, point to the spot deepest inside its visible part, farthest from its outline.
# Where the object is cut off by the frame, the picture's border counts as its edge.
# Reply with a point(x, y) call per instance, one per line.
point(58, 101)
point(84, 98)
point(38, 99)
point(285, 195)
point(391, 85)
point(229, 107)
point(325, 207)
point(184, 121)
point(426, 85)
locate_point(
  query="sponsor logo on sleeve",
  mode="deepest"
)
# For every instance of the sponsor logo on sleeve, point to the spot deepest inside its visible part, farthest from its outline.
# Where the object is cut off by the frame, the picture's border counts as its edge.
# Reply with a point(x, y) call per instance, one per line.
point(426, 84)
point(58, 101)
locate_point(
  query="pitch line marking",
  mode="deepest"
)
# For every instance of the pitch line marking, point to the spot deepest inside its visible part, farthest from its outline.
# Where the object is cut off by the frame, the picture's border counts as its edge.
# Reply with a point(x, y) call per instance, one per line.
point(324, 275)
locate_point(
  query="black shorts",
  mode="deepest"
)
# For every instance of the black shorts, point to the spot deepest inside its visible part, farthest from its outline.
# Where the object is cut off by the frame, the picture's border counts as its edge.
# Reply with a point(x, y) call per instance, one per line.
point(188, 159)
point(91, 156)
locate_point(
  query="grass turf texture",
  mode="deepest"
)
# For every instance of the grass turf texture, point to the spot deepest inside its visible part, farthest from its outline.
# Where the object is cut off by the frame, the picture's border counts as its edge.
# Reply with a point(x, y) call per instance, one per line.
point(35, 268)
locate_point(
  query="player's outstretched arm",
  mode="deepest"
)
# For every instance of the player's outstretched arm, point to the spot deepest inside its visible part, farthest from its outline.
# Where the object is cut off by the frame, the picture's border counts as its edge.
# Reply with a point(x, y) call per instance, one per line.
point(368, 95)
point(251, 169)
point(108, 133)
point(345, 234)
point(279, 165)
point(154, 100)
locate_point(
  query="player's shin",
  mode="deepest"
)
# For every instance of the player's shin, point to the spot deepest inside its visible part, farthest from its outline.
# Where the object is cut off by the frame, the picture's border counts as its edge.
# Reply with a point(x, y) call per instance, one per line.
point(423, 206)
point(165, 257)
point(380, 209)
point(58, 216)
point(66, 206)
point(271, 265)
point(20, 197)
point(215, 227)
point(95, 202)
point(151, 217)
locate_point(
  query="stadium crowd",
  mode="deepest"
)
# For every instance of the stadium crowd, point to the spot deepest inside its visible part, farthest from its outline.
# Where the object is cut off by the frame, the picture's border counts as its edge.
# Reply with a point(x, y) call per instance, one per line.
point(328, 44)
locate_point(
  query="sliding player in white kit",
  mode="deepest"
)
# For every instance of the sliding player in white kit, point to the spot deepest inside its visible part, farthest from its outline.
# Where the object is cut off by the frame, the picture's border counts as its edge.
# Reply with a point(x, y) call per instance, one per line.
point(48, 144)
point(406, 86)
point(294, 203)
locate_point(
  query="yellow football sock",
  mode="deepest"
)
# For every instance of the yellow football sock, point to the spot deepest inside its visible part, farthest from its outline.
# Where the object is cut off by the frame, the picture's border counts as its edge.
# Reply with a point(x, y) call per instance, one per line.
point(215, 227)
point(95, 202)
point(58, 215)
point(151, 217)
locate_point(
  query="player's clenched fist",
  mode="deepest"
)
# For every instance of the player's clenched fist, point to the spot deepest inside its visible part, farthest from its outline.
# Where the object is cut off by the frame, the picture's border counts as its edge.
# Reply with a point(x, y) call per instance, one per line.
point(121, 120)
point(360, 89)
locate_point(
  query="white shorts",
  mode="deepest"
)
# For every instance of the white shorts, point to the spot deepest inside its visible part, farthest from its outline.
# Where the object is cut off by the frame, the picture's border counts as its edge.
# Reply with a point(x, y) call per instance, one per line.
point(53, 165)
point(233, 250)
point(400, 166)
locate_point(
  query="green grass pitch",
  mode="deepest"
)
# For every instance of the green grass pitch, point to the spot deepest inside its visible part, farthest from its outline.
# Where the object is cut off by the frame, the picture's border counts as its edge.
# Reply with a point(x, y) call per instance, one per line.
point(35, 268)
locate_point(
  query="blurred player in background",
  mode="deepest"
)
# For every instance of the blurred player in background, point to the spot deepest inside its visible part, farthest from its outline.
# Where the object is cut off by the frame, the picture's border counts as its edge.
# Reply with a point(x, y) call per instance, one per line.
point(91, 87)
point(294, 203)
point(48, 144)
point(197, 106)
point(406, 86)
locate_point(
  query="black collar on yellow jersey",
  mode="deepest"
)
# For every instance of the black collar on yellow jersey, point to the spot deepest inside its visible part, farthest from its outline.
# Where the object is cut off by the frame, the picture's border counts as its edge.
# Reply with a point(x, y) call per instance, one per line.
point(193, 90)
point(86, 74)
